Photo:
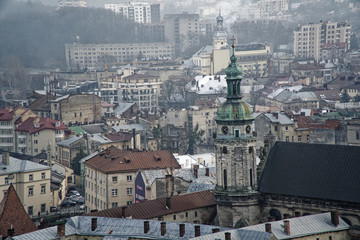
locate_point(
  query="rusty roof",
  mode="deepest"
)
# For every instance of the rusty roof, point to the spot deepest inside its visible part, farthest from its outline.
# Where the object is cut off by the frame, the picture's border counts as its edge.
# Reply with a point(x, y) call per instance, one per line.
point(157, 207)
point(139, 76)
point(113, 160)
point(12, 213)
point(43, 123)
point(119, 136)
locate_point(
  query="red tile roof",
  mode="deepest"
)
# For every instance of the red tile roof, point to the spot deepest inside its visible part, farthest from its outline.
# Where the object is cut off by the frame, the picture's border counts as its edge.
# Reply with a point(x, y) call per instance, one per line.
point(156, 208)
point(113, 160)
point(44, 123)
point(12, 213)
point(303, 121)
point(6, 114)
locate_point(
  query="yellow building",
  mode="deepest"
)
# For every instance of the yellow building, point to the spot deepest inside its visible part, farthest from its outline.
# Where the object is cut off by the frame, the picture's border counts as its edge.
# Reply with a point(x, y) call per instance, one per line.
point(30, 180)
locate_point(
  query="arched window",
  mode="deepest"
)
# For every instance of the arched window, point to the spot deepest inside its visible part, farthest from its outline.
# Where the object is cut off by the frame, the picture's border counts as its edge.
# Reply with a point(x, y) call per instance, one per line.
point(225, 179)
point(224, 150)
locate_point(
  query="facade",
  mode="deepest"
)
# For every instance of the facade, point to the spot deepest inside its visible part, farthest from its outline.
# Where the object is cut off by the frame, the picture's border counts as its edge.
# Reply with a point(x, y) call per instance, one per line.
point(80, 56)
point(31, 182)
point(67, 150)
point(110, 175)
point(309, 38)
point(182, 30)
point(139, 12)
point(77, 109)
point(266, 8)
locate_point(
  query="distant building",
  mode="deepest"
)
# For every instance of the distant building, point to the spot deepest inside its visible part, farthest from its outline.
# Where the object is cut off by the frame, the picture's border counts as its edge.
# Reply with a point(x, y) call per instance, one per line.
point(267, 8)
point(71, 3)
point(80, 56)
point(308, 39)
point(139, 12)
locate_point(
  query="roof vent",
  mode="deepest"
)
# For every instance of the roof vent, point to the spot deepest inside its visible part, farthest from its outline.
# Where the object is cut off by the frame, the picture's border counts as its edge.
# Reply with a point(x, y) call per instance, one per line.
point(127, 160)
point(157, 158)
point(37, 125)
point(57, 124)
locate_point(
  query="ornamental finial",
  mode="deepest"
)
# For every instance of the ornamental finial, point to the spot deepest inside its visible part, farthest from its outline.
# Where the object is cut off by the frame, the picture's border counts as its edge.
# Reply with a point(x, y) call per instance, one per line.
point(233, 44)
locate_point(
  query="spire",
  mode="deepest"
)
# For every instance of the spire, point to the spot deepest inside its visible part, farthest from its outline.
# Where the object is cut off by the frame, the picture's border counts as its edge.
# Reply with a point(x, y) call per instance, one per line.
point(233, 76)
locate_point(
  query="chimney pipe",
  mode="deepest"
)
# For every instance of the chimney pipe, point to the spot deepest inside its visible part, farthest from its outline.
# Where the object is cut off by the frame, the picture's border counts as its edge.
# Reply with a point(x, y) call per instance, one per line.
point(93, 224)
point(215, 230)
point(134, 137)
point(181, 229)
point(163, 228)
point(5, 158)
point(335, 218)
point(271, 219)
point(287, 227)
point(146, 226)
point(227, 236)
point(297, 214)
point(286, 216)
point(168, 203)
point(169, 185)
point(207, 172)
point(61, 229)
point(123, 212)
point(268, 227)
point(197, 231)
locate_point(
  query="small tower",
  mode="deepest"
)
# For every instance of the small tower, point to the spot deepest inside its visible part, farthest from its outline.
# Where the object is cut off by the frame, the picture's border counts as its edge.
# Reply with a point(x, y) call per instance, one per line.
point(219, 36)
point(235, 150)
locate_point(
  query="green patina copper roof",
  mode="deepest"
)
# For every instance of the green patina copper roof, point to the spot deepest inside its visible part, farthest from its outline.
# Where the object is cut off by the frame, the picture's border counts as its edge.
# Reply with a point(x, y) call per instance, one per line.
point(234, 109)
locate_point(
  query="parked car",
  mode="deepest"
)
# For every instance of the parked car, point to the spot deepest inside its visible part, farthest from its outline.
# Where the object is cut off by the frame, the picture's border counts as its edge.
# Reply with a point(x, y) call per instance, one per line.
point(68, 203)
point(81, 200)
point(53, 209)
point(73, 192)
point(75, 198)
point(82, 207)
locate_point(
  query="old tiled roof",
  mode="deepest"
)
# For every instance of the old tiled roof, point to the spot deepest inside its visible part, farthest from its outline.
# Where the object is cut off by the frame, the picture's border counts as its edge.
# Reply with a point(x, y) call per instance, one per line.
point(303, 121)
point(6, 114)
point(313, 170)
point(139, 76)
point(12, 213)
point(44, 123)
point(42, 103)
point(119, 137)
point(157, 207)
point(113, 160)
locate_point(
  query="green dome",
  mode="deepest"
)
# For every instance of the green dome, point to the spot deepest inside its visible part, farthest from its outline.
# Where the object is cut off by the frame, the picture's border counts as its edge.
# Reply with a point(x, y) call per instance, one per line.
point(234, 111)
point(233, 71)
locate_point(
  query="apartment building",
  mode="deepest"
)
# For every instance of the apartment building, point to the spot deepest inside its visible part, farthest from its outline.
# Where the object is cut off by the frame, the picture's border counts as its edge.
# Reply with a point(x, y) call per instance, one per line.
point(71, 3)
point(139, 12)
point(95, 55)
point(310, 38)
point(110, 175)
point(182, 29)
point(30, 180)
point(265, 8)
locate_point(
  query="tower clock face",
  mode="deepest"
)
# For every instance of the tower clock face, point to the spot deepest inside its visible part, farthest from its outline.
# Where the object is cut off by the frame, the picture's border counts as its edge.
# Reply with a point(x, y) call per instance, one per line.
point(248, 129)
point(225, 129)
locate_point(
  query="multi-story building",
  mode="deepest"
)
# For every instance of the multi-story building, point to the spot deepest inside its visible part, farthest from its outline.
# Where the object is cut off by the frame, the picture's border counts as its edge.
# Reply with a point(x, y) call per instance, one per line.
point(182, 29)
point(95, 55)
point(110, 175)
point(140, 12)
point(36, 134)
point(308, 39)
point(71, 3)
point(76, 108)
point(265, 8)
point(30, 180)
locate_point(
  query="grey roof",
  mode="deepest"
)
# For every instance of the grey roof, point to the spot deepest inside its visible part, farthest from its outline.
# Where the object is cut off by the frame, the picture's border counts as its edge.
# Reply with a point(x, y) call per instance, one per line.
point(17, 165)
point(122, 107)
point(313, 170)
point(128, 127)
point(197, 187)
point(94, 128)
point(99, 138)
point(69, 141)
point(236, 234)
point(118, 228)
point(282, 118)
point(303, 226)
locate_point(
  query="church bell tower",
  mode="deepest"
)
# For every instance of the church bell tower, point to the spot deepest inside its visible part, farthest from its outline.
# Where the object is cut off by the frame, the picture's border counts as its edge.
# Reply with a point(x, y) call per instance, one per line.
point(235, 150)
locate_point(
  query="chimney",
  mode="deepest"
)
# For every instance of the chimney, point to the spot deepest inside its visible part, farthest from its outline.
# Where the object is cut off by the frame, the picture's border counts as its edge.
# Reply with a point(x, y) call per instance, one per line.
point(11, 231)
point(5, 158)
point(93, 224)
point(335, 218)
point(182, 229)
point(61, 229)
point(215, 230)
point(123, 212)
point(287, 227)
point(276, 115)
point(146, 226)
point(163, 228)
point(134, 137)
point(196, 167)
point(227, 236)
point(169, 185)
point(297, 214)
point(207, 172)
point(197, 231)
point(167, 203)
point(271, 219)
point(268, 227)
point(286, 216)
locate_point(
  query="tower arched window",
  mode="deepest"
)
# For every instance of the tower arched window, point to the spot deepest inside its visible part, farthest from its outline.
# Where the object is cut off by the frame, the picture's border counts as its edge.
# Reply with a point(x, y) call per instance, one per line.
point(225, 179)
point(224, 150)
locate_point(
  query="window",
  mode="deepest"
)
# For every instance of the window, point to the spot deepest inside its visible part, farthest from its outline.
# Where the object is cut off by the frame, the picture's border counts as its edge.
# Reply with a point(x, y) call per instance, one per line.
point(43, 207)
point(129, 178)
point(174, 217)
point(307, 137)
point(31, 191)
point(186, 214)
point(287, 138)
point(128, 202)
point(299, 138)
point(6, 180)
point(43, 175)
point(31, 177)
point(114, 179)
point(129, 191)
point(275, 128)
point(357, 135)
point(114, 204)
point(196, 214)
point(30, 210)
point(114, 192)
point(43, 189)
point(287, 128)
point(35, 141)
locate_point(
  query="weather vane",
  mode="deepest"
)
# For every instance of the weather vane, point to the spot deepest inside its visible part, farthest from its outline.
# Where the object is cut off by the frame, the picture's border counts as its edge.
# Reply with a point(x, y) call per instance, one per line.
point(233, 41)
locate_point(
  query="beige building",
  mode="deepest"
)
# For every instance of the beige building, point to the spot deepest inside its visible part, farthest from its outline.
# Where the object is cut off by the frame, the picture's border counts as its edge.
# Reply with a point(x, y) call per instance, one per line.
point(266, 8)
point(309, 38)
point(31, 182)
point(94, 55)
point(76, 109)
point(110, 175)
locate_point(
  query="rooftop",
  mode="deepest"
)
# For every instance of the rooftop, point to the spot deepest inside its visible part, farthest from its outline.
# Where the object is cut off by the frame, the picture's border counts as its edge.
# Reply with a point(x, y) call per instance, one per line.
point(16, 165)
